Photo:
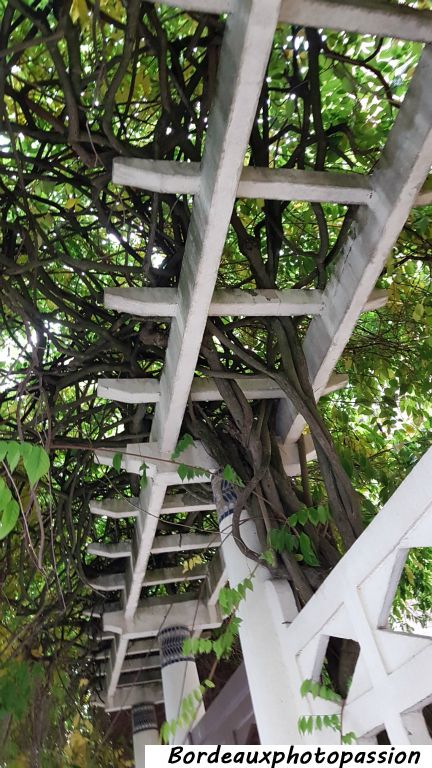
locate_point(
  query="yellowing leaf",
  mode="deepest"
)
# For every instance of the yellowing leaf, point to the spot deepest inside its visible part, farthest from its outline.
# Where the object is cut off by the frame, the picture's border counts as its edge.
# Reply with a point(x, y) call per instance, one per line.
point(71, 203)
point(79, 12)
point(192, 563)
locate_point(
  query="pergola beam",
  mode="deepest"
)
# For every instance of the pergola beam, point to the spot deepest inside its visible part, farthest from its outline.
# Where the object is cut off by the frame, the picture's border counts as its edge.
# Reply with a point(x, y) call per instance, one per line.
point(126, 698)
point(370, 17)
point(244, 55)
point(164, 302)
point(203, 390)
point(171, 177)
point(150, 618)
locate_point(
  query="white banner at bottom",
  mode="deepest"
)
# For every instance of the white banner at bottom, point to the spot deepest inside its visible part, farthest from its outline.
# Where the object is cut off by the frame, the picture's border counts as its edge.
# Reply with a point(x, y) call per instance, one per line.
point(273, 756)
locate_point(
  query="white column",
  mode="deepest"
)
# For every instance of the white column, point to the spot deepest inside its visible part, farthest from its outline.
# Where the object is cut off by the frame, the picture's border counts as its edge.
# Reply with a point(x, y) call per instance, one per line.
point(262, 628)
point(179, 678)
point(144, 729)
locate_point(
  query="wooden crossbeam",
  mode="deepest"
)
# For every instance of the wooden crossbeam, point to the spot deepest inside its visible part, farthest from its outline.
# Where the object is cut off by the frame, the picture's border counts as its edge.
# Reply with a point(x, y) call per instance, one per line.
point(399, 175)
point(203, 390)
point(170, 177)
point(134, 664)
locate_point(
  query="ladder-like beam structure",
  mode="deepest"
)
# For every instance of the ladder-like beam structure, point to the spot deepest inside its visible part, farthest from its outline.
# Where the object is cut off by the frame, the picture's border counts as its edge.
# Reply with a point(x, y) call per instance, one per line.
point(384, 201)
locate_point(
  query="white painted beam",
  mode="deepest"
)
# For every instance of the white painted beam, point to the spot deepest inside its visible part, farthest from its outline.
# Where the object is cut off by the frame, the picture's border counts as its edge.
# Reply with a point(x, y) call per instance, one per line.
point(160, 463)
point(174, 504)
point(147, 648)
point(143, 302)
point(110, 551)
point(126, 698)
point(217, 577)
point(184, 542)
point(169, 176)
point(397, 179)
point(203, 390)
point(372, 17)
point(135, 664)
point(265, 303)
point(144, 677)
point(115, 508)
point(151, 616)
point(376, 300)
point(173, 575)
point(164, 302)
point(108, 582)
point(290, 456)
point(244, 55)
point(140, 662)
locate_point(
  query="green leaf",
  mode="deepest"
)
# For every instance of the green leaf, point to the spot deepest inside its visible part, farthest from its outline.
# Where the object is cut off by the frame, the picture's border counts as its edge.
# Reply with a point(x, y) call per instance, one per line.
point(9, 518)
point(117, 461)
point(306, 549)
point(13, 454)
point(185, 441)
point(36, 462)
point(231, 476)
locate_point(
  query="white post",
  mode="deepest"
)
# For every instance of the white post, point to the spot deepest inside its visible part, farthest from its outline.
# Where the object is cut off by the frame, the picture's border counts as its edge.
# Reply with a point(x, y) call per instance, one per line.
point(145, 730)
point(262, 613)
point(179, 678)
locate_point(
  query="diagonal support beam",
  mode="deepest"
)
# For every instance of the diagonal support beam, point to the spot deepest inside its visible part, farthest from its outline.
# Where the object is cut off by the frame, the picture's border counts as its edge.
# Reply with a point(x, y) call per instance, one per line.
point(397, 179)
point(244, 55)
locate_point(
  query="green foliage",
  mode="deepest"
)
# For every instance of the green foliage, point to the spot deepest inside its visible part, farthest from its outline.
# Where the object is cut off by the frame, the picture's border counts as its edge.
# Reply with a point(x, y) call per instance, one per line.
point(36, 464)
point(117, 461)
point(281, 540)
point(307, 724)
point(185, 441)
point(231, 476)
point(16, 681)
point(187, 472)
point(231, 597)
point(188, 710)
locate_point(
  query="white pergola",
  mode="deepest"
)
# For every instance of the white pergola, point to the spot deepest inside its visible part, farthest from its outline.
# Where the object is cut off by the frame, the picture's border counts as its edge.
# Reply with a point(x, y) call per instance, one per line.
point(385, 199)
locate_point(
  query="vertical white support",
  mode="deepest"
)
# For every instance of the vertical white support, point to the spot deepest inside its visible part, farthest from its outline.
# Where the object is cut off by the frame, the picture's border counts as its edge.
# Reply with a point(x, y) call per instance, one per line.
point(144, 729)
point(261, 629)
point(179, 678)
